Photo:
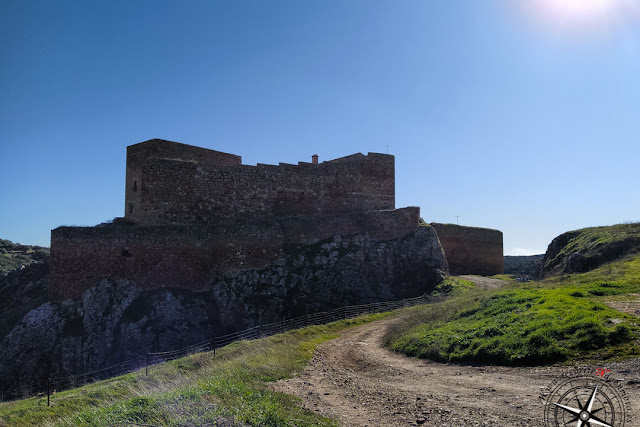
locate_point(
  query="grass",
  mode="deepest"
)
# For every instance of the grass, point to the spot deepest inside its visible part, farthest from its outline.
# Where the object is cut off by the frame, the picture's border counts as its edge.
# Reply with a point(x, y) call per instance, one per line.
point(588, 241)
point(561, 319)
point(12, 256)
point(230, 389)
point(589, 238)
point(453, 286)
point(505, 277)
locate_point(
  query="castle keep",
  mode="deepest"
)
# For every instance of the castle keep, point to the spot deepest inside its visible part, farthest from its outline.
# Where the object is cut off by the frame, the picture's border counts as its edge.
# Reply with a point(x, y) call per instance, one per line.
point(193, 213)
point(172, 183)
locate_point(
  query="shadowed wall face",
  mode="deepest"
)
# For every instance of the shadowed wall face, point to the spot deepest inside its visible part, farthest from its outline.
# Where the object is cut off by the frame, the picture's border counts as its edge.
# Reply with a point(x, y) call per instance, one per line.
point(188, 256)
point(471, 250)
point(172, 183)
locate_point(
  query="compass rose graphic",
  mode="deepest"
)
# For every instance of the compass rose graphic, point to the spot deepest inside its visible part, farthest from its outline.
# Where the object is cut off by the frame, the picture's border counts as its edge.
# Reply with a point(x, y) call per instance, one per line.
point(585, 401)
point(585, 415)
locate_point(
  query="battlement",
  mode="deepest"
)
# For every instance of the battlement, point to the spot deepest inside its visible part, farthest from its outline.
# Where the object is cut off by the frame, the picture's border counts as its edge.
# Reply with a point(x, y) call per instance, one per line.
point(172, 183)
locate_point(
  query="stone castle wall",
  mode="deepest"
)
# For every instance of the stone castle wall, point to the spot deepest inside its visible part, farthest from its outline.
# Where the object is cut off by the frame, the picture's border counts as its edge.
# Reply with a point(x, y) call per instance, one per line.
point(168, 186)
point(471, 250)
point(188, 256)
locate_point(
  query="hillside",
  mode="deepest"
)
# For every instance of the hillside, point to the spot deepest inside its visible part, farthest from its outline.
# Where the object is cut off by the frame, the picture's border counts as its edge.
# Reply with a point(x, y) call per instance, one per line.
point(523, 265)
point(563, 317)
point(23, 281)
point(566, 318)
point(16, 255)
point(227, 388)
point(351, 379)
point(596, 246)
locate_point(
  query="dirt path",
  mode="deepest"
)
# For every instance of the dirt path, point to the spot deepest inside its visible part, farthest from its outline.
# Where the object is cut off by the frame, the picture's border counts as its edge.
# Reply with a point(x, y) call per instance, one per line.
point(485, 282)
point(630, 305)
point(356, 381)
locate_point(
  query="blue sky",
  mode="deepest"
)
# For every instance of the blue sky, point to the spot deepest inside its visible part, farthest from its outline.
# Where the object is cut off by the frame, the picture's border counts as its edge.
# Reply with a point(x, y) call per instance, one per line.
point(511, 116)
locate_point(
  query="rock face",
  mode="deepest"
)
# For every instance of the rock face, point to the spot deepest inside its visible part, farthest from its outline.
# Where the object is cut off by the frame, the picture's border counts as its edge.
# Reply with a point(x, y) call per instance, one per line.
point(596, 245)
point(576, 263)
point(119, 320)
point(329, 274)
point(22, 290)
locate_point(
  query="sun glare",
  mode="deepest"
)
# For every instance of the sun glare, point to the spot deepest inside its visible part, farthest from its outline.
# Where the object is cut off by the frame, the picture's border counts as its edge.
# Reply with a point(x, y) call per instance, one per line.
point(581, 9)
point(581, 14)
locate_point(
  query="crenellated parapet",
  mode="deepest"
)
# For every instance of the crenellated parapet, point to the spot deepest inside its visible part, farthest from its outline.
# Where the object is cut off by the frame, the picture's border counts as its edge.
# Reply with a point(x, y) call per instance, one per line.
point(172, 183)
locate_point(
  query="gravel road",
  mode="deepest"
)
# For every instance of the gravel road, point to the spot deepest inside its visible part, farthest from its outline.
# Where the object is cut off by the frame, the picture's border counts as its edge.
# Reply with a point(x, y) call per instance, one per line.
point(358, 382)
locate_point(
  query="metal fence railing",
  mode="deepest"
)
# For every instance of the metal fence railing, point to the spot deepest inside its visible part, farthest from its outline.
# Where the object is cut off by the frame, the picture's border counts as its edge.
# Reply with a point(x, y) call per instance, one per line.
point(50, 384)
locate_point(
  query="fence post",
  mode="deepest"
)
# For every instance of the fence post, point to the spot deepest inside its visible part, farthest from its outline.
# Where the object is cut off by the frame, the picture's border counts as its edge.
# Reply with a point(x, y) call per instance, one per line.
point(146, 368)
point(49, 390)
point(306, 320)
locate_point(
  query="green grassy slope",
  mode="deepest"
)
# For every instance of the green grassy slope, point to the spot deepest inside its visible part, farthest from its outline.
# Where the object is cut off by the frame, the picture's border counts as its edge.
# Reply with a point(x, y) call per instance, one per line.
point(598, 244)
point(230, 389)
point(564, 318)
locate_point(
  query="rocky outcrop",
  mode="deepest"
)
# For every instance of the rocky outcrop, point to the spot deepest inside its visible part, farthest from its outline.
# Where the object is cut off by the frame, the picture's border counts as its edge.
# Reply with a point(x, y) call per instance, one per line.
point(22, 290)
point(119, 320)
point(576, 263)
point(595, 246)
point(329, 274)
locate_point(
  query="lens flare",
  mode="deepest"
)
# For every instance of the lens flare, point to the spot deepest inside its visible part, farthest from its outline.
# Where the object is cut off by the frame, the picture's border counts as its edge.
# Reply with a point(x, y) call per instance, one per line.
point(581, 9)
point(582, 14)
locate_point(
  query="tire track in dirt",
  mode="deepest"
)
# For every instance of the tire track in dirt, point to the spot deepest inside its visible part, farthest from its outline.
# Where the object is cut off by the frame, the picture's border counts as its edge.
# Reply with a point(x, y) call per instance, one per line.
point(358, 382)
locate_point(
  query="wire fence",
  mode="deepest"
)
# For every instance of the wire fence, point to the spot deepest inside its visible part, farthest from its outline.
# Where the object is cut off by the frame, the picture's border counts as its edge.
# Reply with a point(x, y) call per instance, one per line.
point(50, 385)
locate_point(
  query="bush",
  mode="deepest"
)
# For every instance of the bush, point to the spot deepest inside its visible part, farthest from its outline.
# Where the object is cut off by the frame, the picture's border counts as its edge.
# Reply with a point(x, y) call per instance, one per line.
point(620, 334)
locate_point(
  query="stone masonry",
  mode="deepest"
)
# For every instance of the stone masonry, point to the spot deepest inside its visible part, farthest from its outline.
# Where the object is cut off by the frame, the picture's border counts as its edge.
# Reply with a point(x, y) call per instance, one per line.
point(172, 183)
point(193, 213)
point(471, 250)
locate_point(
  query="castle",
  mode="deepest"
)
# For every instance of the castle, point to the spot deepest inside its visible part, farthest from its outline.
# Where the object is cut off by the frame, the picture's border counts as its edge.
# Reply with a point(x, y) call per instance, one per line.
point(192, 214)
